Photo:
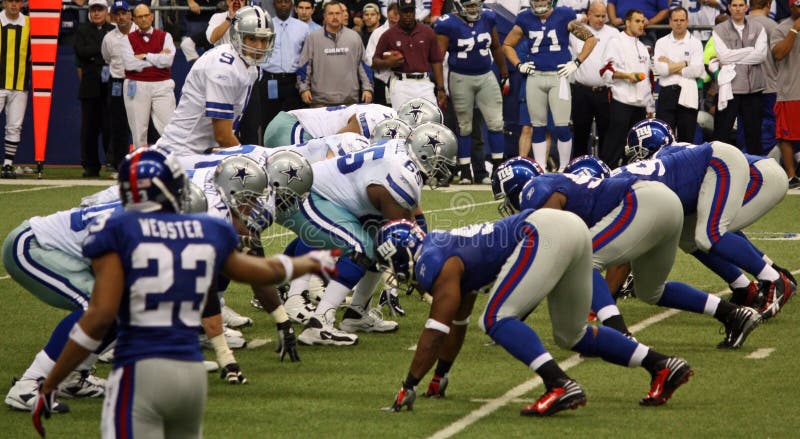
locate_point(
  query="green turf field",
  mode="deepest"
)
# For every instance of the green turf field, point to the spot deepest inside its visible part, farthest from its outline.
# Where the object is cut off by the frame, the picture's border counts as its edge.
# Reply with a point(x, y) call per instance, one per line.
point(338, 391)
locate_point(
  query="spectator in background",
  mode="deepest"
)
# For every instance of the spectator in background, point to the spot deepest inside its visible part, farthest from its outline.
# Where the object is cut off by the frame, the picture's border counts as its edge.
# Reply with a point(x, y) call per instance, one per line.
point(701, 13)
point(589, 90)
point(304, 9)
point(194, 23)
point(678, 61)
point(111, 50)
point(759, 13)
point(219, 23)
point(654, 11)
point(579, 6)
point(381, 77)
point(411, 52)
point(148, 89)
point(70, 19)
point(93, 87)
point(627, 68)
point(276, 88)
point(370, 20)
point(327, 62)
point(741, 46)
point(15, 66)
point(786, 50)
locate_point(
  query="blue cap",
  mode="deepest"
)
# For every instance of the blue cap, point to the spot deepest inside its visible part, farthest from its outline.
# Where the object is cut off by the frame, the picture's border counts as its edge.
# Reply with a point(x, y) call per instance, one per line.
point(120, 5)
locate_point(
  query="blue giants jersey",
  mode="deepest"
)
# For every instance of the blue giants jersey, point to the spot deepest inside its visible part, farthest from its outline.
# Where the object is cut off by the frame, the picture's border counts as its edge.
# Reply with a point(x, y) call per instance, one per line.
point(589, 198)
point(483, 248)
point(169, 261)
point(549, 39)
point(469, 47)
point(682, 167)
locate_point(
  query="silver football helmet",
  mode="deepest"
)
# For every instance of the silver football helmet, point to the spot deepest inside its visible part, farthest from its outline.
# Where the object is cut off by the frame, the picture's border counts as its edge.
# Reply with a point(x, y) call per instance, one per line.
point(244, 187)
point(469, 10)
point(291, 178)
point(345, 143)
point(390, 129)
point(541, 7)
point(252, 20)
point(194, 199)
point(418, 111)
point(433, 147)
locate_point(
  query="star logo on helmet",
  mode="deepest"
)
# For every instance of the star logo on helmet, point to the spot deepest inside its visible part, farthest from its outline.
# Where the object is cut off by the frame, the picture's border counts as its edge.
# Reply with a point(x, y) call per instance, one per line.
point(415, 111)
point(433, 141)
point(293, 173)
point(241, 174)
point(391, 132)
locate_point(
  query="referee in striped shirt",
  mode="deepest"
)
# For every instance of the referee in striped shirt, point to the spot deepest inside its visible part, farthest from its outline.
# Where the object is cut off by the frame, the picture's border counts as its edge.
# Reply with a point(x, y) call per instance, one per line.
point(15, 61)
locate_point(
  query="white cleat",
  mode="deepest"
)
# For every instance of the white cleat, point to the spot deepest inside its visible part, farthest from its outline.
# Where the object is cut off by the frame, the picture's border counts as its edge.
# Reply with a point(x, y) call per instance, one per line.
point(320, 331)
point(299, 308)
point(23, 393)
point(233, 319)
point(369, 321)
point(82, 384)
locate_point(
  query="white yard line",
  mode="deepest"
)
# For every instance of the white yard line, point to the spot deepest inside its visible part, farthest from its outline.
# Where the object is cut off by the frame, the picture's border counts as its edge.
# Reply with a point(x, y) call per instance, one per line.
point(760, 354)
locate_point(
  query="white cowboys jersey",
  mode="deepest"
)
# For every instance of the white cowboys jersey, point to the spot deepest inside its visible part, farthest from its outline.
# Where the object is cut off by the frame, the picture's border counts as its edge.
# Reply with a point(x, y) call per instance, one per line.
point(317, 150)
point(344, 181)
point(216, 87)
point(320, 122)
point(66, 230)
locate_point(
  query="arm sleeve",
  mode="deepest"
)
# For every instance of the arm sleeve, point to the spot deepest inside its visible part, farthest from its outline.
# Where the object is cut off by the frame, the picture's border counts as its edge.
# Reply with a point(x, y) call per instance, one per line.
point(304, 66)
point(729, 56)
point(660, 68)
point(163, 60)
point(130, 61)
point(105, 48)
point(696, 68)
point(759, 52)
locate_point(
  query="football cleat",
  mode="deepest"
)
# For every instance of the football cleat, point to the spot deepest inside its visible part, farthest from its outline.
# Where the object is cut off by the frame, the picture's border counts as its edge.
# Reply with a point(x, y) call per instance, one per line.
point(23, 393)
point(567, 395)
point(358, 319)
point(255, 303)
point(299, 308)
point(390, 298)
point(626, 290)
point(670, 375)
point(788, 273)
point(233, 319)
point(738, 326)
point(437, 386)
point(745, 296)
point(8, 172)
point(82, 384)
point(320, 331)
point(233, 338)
point(774, 295)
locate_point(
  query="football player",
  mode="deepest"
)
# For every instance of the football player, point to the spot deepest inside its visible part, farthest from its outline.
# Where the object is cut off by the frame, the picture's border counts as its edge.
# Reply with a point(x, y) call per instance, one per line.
point(619, 211)
point(547, 30)
point(518, 261)
point(157, 348)
point(469, 37)
point(298, 126)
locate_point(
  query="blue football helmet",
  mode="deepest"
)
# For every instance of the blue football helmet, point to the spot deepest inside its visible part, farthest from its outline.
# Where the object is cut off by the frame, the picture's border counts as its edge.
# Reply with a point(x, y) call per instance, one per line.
point(508, 180)
point(588, 165)
point(151, 180)
point(397, 243)
point(647, 137)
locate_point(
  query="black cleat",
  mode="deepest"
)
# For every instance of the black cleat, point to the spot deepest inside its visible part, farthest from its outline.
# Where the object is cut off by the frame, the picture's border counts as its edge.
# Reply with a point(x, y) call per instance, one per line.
point(738, 326)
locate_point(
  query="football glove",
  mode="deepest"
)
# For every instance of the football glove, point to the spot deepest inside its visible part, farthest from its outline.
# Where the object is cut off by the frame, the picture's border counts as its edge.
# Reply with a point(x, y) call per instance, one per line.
point(505, 87)
point(437, 387)
point(405, 397)
point(389, 297)
point(526, 68)
point(42, 406)
point(327, 262)
point(287, 342)
point(232, 373)
point(564, 70)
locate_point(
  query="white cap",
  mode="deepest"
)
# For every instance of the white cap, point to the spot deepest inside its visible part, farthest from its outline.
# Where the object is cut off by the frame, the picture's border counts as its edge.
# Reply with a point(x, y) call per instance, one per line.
point(102, 3)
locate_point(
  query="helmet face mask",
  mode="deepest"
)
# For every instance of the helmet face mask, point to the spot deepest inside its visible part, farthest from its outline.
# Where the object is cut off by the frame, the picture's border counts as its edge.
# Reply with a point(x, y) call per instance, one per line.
point(243, 186)
point(509, 179)
point(251, 21)
point(541, 7)
point(291, 178)
point(646, 137)
point(433, 148)
point(469, 10)
point(151, 180)
point(399, 243)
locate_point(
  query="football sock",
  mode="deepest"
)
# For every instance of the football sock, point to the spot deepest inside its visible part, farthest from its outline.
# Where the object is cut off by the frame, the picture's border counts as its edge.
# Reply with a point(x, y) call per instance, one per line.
point(551, 373)
point(724, 269)
point(443, 367)
point(610, 345)
point(681, 296)
point(540, 153)
point(724, 309)
point(564, 151)
point(334, 296)
point(497, 143)
point(60, 335)
point(738, 251)
point(40, 367)
point(364, 289)
point(651, 361)
point(464, 147)
point(298, 285)
point(769, 273)
point(740, 282)
point(616, 322)
point(519, 339)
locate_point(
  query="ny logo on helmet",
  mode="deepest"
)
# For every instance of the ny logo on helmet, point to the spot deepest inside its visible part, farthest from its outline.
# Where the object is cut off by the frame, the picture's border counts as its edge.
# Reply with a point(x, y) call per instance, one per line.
point(644, 132)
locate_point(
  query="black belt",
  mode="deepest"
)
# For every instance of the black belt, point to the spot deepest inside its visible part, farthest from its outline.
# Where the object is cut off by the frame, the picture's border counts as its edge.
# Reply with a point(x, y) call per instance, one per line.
point(117, 79)
point(270, 75)
point(671, 87)
point(601, 89)
point(410, 75)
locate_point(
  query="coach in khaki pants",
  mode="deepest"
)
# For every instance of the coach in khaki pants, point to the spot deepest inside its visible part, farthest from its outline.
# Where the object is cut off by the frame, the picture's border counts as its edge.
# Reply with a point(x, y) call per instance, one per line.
point(148, 90)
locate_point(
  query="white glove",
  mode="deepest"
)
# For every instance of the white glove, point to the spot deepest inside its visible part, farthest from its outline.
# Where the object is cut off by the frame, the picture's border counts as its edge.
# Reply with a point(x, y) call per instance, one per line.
point(327, 261)
point(567, 69)
point(526, 68)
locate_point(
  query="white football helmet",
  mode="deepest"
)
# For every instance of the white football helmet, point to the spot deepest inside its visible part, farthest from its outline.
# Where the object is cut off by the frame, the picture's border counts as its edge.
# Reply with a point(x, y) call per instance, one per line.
point(291, 178)
point(433, 148)
point(194, 200)
point(390, 129)
point(244, 187)
point(541, 7)
point(469, 10)
point(417, 111)
point(252, 20)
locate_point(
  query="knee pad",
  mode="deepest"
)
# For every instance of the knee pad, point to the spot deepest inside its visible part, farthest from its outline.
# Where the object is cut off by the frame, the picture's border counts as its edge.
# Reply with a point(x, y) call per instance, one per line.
point(349, 272)
point(539, 134)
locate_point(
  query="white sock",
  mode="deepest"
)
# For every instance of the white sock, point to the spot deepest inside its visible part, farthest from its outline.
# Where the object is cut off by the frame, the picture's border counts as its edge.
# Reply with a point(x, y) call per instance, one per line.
point(766, 259)
point(564, 152)
point(712, 303)
point(333, 297)
point(769, 273)
point(298, 285)
point(88, 363)
point(40, 368)
point(540, 153)
point(740, 282)
point(365, 288)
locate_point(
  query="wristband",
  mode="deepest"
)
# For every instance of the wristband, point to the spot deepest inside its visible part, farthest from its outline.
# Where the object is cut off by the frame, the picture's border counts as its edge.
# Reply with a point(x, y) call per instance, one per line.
point(577, 62)
point(83, 339)
point(288, 266)
point(464, 322)
point(793, 30)
point(437, 326)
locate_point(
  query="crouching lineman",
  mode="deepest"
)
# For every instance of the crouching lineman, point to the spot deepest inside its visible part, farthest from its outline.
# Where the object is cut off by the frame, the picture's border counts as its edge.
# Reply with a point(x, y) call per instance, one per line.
point(519, 261)
point(134, 261)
